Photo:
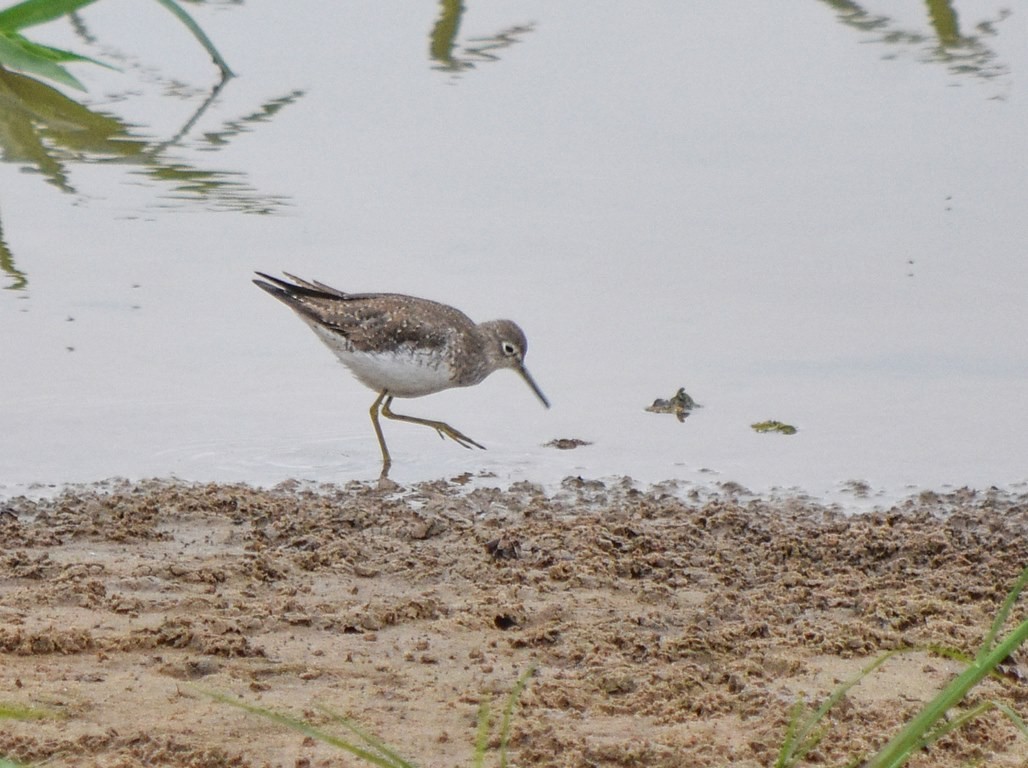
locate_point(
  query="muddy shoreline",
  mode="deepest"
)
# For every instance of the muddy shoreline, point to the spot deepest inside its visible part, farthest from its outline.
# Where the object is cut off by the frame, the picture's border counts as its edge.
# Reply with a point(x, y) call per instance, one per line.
point(664, 632)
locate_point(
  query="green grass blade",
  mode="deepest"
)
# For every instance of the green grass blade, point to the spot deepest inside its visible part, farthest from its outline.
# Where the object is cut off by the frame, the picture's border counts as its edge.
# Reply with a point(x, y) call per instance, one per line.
point(808, 732)
point(371, 740)
point(309, 730)
point(899, 749)
point(1013, 717)
point(56, 55)
point(948, 726)
point(17, 53)
point(482, 736)
point(901, 746)
point(845, 687)
point(787, 754)
point(16, 712)
point(33, 12)
point(965, 717)
point(508, 712)
point(375, 751)
point(198, 33)
point(1004, 612)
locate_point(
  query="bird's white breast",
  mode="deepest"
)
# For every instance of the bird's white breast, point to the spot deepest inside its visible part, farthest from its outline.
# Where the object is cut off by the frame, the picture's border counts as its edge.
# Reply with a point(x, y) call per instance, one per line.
point(403, 372)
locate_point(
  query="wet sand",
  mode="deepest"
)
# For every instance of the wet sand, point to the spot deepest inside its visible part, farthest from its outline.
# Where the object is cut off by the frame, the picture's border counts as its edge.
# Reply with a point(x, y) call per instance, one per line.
point(664, 632)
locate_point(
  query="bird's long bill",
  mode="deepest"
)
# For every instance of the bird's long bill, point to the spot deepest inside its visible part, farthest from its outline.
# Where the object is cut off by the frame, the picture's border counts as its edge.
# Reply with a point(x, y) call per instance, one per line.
point(531, 382)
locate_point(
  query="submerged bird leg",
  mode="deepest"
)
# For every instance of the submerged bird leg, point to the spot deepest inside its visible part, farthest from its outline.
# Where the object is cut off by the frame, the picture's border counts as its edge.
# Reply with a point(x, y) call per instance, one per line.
point(386, 461)
point(444, 430)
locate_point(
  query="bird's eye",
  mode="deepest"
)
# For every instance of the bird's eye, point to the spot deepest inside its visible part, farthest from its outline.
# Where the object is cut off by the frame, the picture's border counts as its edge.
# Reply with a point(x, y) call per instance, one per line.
point(509, 349)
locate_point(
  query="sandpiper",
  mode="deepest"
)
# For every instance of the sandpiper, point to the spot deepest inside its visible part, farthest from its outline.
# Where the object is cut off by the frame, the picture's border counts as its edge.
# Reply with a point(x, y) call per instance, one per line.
point(403, 346)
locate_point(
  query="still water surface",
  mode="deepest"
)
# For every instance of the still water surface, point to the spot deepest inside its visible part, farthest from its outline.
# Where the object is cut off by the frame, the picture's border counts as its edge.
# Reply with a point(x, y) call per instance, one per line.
point(811, 212)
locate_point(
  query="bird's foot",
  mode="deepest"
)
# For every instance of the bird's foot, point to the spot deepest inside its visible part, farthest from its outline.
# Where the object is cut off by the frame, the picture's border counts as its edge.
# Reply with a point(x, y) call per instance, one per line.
point(445, 430)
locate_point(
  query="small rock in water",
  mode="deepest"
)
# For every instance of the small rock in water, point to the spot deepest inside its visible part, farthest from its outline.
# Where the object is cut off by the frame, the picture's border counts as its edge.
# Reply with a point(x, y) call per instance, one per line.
point(566, 443)
point(680, 404)
point(774, 426)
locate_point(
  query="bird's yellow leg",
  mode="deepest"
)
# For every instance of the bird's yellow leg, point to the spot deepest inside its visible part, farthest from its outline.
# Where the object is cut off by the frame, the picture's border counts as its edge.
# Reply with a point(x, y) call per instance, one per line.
point(444, 430)
point(386, 461)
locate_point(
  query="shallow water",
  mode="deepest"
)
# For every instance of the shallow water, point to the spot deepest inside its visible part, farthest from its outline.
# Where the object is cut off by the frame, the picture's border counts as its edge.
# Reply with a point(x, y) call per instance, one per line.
point(810, 213)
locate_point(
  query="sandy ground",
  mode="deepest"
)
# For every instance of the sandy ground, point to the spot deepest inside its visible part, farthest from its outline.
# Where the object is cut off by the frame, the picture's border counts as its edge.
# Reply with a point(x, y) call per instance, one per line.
point(664, 632)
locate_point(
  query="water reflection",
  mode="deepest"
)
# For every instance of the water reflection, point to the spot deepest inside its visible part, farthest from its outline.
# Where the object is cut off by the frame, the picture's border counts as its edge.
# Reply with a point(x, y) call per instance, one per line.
point(18, 278)
point(218, 190)
point(42, 129)
point(45, 131)
point(444, 49)
point(244, 124)
point(962, 53)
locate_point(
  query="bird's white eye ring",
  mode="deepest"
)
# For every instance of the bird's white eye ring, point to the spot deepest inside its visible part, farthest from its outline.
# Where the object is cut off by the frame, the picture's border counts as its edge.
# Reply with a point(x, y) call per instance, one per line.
point(509, 349)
